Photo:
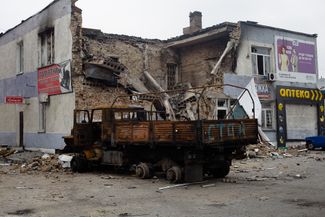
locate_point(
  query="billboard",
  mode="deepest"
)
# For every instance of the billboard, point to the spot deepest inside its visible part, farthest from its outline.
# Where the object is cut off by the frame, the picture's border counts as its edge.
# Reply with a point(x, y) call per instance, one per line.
point(55, 79)
point(295, 60)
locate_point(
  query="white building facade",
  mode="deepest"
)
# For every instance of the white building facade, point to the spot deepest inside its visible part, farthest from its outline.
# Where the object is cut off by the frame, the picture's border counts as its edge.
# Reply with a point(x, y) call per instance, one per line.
point(283, 64)
point(35, 63)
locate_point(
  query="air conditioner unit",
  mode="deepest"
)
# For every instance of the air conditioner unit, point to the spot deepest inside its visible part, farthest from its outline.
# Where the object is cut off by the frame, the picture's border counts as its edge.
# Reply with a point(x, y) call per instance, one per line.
point(271, 76)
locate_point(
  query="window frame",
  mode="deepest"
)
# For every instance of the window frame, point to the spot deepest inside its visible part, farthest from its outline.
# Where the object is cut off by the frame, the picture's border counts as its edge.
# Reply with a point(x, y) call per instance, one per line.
point(20, 57)
point(264, 118)
point(225, 107)
point(47, 47)
point(42, 118)
point(255, 55)
point(172, 74)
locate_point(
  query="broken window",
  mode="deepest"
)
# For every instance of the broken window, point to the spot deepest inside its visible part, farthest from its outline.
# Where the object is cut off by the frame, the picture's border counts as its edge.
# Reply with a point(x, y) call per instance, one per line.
point(82, 117)
point(267, 117)
point(47, 54)
point(97, 116)
point(171, 75)
point(222, 108)
point(125, 115)
point(20, 57)
point(261, 60)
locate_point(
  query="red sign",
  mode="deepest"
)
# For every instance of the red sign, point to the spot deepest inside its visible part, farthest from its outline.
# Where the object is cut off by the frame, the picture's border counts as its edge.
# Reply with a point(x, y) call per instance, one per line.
point(55, 79)
point(49, 79)
point(14, 100)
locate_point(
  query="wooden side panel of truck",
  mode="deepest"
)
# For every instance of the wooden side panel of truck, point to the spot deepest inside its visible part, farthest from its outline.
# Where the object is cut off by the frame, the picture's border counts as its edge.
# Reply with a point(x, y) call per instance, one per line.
point(182, 133)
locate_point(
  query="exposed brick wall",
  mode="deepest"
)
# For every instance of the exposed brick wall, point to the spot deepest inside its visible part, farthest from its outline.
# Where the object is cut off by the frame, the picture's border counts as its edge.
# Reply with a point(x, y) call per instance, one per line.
point(90, 94)
point(139, 55)
point(136, 54)
point(76, 64)
point(198, 61)
point(76, 30)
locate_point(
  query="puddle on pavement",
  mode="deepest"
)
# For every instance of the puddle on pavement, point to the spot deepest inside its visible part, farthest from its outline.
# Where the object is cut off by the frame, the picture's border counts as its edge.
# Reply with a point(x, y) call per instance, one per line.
point(306, 203)
point(21, 212)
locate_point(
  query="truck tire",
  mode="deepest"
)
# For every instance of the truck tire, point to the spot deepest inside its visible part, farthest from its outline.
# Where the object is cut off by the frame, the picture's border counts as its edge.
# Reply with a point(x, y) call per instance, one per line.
point(174, 174)
point(143, 171)
point(221, 171)
point(240, 153)
point(78, 164)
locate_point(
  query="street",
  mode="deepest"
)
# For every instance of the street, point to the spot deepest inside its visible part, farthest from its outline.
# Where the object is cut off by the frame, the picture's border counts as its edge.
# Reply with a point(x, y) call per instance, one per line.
point(286, 186)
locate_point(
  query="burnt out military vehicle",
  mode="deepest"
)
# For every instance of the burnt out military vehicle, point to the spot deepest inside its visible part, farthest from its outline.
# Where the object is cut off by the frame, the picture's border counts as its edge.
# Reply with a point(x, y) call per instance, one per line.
point(126, 136)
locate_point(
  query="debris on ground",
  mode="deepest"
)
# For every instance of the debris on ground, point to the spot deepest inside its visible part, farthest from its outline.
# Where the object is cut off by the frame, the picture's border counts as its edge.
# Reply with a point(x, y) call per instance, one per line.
point(303, 150)
point(260, 150)
point(5, 152)
point(49, 163)
point(29, 161)
point(21, 157)
point(263, 150)
point(180, 185)
point(65, 160)
point(264, 198)
point(208, 185)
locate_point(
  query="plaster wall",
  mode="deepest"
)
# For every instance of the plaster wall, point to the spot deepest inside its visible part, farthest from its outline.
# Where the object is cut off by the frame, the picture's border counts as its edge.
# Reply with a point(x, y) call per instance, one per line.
point(262, 37)
point(59, 110)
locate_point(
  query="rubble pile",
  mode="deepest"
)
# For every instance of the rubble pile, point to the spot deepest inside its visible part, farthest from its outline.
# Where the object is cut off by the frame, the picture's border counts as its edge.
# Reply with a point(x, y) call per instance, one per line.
point(30, 162)
point(194, 103)
point(264, 150)
point(4, 152)
point(259, 150)
point(181, 103)
point(46, 163)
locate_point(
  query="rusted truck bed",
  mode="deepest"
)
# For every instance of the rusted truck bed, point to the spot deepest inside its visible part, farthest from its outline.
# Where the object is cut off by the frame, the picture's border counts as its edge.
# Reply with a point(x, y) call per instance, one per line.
point(183, 133)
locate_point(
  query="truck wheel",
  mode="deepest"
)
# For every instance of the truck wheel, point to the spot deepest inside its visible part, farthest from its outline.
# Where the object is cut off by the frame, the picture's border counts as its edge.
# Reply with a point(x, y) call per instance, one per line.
point(240, 153)
point(78, 164)
point(143, 171)
point(221, 171)
point(174, 174)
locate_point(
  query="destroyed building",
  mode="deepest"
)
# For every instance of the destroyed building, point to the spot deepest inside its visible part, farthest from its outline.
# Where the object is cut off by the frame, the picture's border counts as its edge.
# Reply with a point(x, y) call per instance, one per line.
point(51, 65)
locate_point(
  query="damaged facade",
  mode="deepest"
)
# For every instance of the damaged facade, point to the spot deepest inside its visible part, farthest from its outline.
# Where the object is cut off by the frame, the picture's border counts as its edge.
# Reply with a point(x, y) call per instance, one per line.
point(54, 65)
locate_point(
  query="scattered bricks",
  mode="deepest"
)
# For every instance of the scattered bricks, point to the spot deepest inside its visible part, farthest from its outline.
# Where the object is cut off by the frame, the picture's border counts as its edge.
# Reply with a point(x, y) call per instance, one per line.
point(5, 152)
point(47, 168)
point(34, 164)
point(23, 168)
point(49, 163)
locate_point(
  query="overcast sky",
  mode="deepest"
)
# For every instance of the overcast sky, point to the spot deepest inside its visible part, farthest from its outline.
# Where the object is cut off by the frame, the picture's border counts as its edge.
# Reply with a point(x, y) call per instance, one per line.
point(166, 18)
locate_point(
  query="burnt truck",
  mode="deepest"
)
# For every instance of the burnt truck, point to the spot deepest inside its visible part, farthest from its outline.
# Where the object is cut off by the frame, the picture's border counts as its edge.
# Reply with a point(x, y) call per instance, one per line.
point(182, 150)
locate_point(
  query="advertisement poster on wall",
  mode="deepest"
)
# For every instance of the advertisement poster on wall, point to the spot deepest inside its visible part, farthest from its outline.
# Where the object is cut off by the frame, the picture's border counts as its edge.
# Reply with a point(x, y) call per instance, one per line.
point(295, 60)
point(264, 89)
point(55, 79)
